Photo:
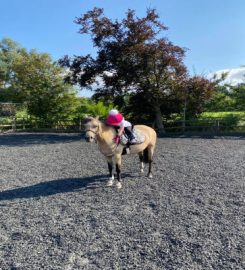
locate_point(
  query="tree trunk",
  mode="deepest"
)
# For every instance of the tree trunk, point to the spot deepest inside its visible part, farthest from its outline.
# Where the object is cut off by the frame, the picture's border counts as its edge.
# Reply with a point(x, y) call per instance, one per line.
point(158, 120)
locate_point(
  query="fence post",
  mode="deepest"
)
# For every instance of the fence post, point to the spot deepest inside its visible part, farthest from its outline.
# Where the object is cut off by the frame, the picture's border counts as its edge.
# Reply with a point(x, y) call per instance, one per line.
point(183, 126)
point(14, 125)
point(184, 119)
point(23, 123)
point(80, 124)
point(35, 123)
point(217, 125)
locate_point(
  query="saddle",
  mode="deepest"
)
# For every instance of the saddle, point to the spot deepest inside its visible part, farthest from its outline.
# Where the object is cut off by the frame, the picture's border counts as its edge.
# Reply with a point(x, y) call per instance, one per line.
point(139, 137)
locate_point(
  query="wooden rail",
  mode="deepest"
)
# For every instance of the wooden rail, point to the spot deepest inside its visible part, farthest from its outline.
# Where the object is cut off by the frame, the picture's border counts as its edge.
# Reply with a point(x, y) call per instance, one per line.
point(214, 125)
point(20, 124)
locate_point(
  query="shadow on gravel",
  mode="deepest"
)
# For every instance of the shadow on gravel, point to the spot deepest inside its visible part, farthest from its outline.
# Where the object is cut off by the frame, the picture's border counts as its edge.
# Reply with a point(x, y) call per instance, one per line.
point(52, 187)
point(25, 139)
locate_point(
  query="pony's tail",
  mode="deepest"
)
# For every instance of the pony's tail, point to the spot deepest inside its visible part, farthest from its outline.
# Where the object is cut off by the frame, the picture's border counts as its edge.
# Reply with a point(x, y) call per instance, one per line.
point(145, 156)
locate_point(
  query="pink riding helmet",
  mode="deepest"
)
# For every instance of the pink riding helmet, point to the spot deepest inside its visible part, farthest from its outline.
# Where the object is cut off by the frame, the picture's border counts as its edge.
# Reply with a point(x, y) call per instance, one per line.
point(114, 118)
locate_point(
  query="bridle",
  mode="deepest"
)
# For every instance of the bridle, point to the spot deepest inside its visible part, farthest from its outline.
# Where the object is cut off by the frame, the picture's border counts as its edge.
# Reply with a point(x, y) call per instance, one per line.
point(95, 130)
point(88, 138)
point(87, 130)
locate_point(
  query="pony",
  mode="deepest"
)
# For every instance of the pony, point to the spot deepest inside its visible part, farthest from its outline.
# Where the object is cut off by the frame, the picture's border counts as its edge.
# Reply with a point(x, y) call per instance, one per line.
point(97, 131)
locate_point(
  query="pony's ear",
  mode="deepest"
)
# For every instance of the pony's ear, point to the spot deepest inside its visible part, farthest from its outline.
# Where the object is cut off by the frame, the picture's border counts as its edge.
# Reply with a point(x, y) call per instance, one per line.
point(97, 117)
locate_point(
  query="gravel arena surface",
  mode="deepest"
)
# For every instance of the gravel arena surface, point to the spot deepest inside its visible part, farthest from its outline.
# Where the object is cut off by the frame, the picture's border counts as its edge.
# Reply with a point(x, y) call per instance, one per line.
point(57, 213)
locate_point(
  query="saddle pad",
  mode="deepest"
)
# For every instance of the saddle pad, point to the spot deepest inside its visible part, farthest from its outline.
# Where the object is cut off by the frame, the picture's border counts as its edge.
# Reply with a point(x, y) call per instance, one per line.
point(139, 137)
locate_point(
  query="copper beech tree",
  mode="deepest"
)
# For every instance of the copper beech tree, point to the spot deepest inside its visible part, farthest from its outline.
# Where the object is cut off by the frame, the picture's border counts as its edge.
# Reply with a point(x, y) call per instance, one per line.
point(132, 57)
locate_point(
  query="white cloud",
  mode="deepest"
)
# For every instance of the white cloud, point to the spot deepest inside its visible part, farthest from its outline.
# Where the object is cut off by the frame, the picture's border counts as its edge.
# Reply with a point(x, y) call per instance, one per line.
point(235, 75)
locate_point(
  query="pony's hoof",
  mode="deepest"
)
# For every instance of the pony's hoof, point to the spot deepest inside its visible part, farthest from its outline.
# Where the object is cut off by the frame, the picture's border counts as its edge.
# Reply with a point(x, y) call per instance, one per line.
point(118, 185)
point(150, 175)
point(141, 171)
point(109, 183)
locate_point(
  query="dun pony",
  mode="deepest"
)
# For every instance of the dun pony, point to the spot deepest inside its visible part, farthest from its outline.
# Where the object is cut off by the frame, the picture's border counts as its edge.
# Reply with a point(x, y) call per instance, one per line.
point(96, 131)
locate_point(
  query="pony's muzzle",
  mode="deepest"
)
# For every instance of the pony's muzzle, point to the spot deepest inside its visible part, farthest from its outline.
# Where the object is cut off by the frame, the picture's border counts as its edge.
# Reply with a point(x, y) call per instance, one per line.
point(89, 138)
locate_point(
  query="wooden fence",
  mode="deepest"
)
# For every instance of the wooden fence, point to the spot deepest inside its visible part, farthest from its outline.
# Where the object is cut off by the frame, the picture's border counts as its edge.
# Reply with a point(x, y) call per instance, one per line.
point(30, 124)
point(214, 125)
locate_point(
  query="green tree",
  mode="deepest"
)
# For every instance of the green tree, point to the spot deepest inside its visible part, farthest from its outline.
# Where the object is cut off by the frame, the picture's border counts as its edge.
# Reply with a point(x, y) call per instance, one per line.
point(132, 57)
point(34, 79)
point(197, 90)
point(39, 83)
point(90, 107)
point(238, 95)
point(9, 51)
point(221, 100)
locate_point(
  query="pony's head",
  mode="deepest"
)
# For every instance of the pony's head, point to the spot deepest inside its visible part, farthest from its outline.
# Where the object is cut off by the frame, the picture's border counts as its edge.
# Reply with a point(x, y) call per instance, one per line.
point(92, 127)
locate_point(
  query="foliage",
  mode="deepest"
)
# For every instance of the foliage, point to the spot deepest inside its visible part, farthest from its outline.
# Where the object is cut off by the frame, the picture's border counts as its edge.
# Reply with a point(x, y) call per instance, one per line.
point(132, 58)
point(238, 95)
point(137, 108)
point(6, 121)
point(33, 79)
point(9, 51)
point(220, 100)
point(89, 107)
point(208, 115)
point(197, 90)
point(22, 113)
point(230, 118)
point(227, 98)
point(142, 71)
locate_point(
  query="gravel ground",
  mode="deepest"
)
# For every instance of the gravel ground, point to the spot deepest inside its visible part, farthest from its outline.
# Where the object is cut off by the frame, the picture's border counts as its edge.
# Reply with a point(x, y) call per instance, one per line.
point(57, 213)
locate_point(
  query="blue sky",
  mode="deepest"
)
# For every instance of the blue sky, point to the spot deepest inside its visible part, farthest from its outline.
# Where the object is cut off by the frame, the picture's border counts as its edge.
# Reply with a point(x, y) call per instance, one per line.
point(212, 30)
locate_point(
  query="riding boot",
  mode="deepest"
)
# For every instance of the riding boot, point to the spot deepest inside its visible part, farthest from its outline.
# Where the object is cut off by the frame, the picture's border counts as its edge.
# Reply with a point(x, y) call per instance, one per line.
point(128, 148)
point(131, 138)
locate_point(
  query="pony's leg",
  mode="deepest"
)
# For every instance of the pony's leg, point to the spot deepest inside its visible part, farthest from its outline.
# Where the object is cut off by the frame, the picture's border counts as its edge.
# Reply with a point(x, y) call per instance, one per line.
point(141, 162)
point(118, 160)
point(110, 167)
point(150, 156)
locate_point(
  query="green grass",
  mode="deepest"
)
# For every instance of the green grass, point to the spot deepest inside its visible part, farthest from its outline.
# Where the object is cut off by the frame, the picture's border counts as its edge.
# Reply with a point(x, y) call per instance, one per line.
point(208, 115)
point(209, 121)
point(6, 120)
point(232, 118)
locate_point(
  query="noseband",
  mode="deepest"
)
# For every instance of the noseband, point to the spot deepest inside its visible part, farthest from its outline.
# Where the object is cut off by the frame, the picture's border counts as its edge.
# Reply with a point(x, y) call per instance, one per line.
point(91, 131)
point(94, 132)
